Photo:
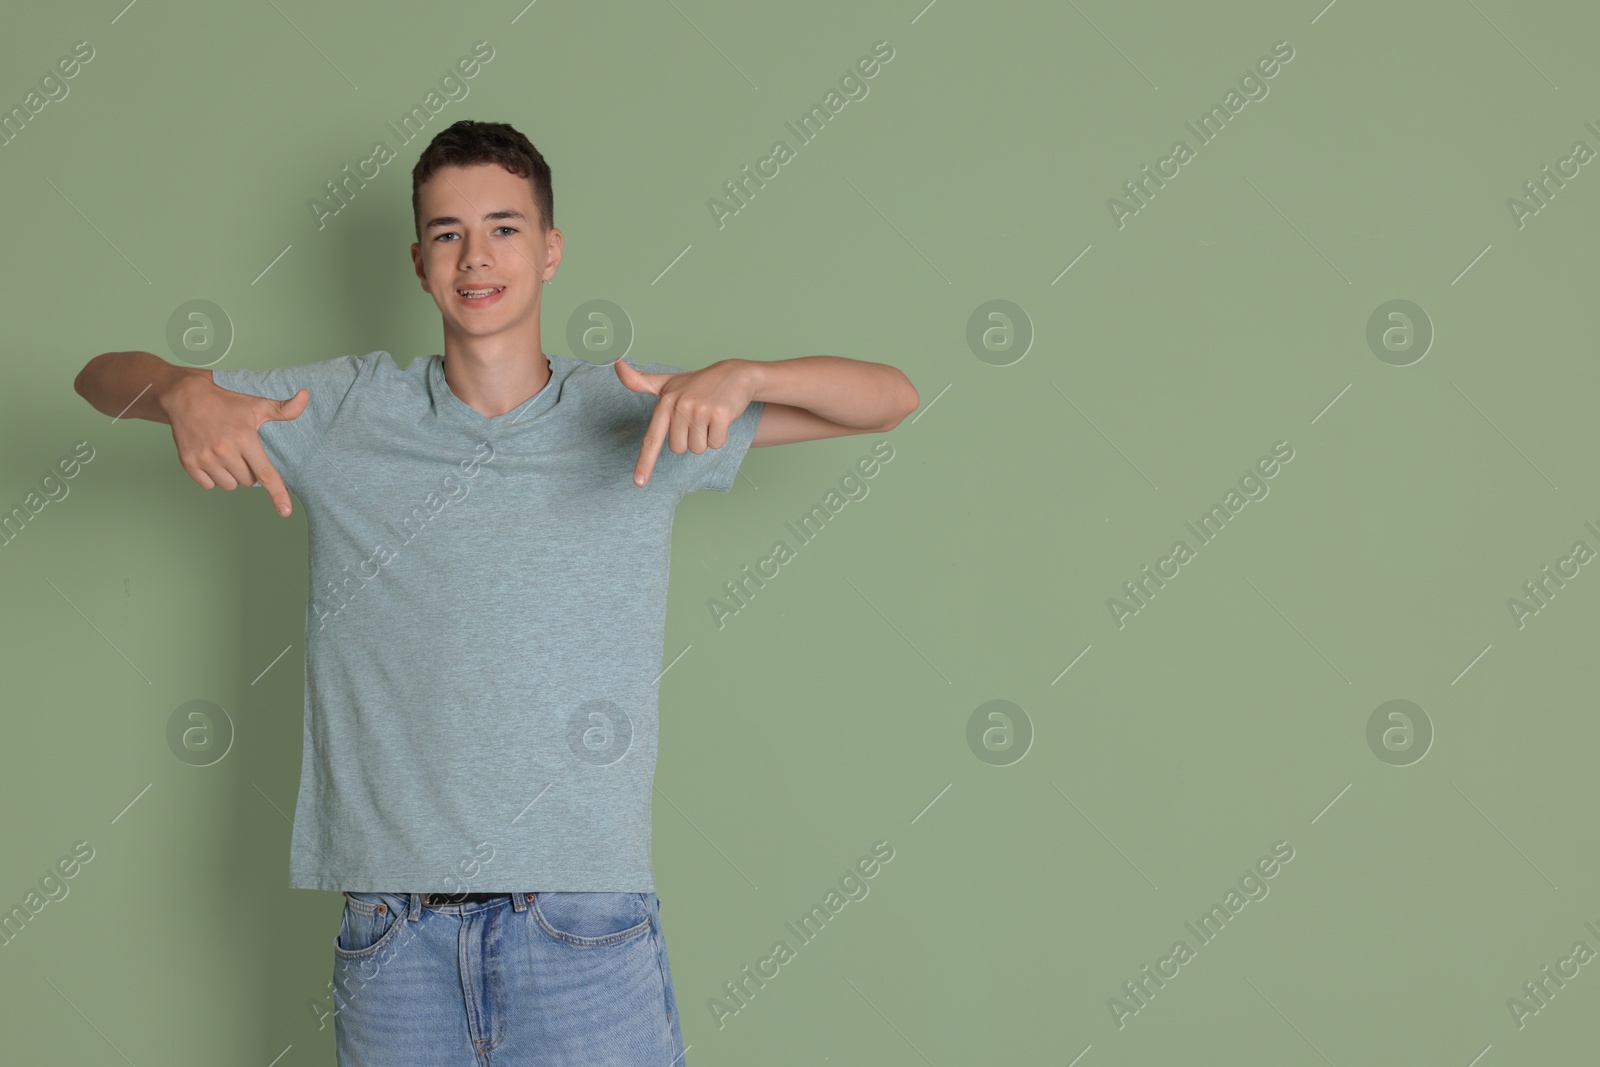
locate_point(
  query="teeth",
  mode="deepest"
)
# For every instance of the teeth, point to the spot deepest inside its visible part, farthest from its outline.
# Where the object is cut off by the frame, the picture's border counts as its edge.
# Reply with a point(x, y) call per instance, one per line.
point(479, 292)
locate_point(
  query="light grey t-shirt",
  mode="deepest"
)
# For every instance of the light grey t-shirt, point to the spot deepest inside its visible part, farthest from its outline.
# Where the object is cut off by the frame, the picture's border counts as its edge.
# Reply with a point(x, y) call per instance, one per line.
point(485, 624)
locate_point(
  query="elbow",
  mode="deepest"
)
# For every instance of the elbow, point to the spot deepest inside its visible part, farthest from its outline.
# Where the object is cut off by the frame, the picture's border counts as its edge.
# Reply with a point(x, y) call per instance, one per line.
point(86, 376)
point(85, 379)
point(909, 401)
point(82, 378)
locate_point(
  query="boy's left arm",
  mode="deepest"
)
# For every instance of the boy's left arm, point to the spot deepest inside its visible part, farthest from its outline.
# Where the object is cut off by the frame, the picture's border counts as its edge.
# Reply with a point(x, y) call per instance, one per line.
point(813, 397)
point(801, 399)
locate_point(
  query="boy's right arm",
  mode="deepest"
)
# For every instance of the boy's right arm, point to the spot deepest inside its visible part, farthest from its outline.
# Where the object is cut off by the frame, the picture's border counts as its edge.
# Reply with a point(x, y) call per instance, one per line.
point(216, 430)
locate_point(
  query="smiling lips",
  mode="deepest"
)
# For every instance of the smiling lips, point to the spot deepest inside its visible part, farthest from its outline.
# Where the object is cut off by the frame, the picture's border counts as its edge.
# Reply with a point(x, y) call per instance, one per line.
point(486, 295)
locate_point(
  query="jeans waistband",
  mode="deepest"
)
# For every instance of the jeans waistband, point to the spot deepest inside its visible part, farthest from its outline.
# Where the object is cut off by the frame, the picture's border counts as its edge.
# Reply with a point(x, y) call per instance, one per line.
point(444, 900)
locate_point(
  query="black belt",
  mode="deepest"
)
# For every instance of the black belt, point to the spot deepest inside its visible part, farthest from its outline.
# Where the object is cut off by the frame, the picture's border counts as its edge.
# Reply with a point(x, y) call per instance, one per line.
point(440, 900)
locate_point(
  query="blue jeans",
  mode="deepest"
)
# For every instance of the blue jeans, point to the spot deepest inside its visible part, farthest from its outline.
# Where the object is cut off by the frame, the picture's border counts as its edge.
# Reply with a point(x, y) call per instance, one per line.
point(524, 979)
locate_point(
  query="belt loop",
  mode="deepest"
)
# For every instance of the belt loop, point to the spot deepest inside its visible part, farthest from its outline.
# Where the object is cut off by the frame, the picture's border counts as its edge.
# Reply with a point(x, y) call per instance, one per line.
point(519, 901)
point(414, 908)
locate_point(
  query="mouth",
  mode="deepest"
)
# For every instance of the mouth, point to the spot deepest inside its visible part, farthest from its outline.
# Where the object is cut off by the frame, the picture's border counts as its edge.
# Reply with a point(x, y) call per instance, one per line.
point(480, 297)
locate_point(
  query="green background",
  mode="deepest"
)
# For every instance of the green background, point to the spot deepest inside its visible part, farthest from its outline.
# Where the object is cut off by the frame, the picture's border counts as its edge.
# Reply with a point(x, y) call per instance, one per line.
point(833, 711)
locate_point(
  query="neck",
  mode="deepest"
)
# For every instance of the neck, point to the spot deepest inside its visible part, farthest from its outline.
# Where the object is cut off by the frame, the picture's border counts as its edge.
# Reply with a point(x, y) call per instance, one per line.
point(495, 387)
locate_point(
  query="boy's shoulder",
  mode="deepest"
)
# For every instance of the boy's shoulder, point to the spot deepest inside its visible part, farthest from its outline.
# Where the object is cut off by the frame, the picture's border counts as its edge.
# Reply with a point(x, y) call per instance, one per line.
point(601, 378)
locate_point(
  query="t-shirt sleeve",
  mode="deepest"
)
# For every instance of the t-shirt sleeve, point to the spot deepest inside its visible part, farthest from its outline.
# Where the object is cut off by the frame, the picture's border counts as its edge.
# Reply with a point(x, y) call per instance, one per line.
point(715, 468)
point(292, 443)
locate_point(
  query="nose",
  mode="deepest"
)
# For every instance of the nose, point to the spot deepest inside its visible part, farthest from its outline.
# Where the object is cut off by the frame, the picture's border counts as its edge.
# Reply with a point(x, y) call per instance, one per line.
point(474, 252)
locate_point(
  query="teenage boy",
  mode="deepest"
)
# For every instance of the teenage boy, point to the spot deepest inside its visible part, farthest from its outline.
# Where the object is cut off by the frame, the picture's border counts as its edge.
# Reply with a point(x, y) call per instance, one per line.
point(489, 534)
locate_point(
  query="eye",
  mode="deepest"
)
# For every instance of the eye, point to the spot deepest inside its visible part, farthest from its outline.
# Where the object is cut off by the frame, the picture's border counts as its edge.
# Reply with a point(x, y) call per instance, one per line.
point(452, 233)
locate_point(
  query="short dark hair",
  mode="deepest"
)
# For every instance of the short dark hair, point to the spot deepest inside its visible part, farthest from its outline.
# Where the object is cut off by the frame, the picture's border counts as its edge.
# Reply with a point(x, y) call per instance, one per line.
point(468, 143)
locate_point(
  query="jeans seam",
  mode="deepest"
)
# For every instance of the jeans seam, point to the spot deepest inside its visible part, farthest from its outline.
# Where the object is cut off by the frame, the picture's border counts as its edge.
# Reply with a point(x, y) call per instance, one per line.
point(661, 969)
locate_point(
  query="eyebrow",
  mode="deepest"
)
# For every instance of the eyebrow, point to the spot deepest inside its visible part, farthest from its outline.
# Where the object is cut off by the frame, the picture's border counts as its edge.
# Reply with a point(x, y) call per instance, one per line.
point(451, 220)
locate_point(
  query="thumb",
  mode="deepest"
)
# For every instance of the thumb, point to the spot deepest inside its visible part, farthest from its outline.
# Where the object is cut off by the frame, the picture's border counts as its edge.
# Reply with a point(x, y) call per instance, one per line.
point(638, 380)
point(293, 407)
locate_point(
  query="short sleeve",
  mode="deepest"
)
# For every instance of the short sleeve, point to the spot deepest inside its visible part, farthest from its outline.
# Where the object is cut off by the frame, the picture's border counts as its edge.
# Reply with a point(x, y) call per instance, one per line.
point(291, 443)
point(715, 468)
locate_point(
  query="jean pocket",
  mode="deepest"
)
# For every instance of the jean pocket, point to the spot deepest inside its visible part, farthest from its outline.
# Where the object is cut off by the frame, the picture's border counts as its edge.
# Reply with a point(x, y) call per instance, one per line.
point(587, 920)
point(370, 921)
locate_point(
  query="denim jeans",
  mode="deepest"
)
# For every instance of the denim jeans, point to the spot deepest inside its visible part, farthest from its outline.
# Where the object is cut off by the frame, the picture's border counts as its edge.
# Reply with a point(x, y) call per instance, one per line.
point(524, 979)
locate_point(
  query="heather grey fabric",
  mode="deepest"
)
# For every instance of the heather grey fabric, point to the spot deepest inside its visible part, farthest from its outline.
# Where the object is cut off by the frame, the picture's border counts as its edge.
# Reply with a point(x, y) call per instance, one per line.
point(484, 628)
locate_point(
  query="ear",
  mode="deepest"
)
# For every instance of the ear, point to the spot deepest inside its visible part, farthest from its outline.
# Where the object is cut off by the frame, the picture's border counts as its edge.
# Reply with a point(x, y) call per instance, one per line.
point(416, 264)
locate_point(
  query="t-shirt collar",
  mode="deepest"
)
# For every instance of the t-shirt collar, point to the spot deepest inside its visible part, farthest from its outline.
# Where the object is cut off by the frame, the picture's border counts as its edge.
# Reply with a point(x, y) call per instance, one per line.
point(450, 406)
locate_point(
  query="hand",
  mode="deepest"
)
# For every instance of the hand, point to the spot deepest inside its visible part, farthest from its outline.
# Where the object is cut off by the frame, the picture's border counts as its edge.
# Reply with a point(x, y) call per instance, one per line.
point(217, 432)
point(694, 411)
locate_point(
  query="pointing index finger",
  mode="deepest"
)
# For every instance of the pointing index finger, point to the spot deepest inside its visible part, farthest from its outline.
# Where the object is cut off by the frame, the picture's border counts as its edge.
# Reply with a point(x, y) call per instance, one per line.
point(654, 435)
point(267, 477)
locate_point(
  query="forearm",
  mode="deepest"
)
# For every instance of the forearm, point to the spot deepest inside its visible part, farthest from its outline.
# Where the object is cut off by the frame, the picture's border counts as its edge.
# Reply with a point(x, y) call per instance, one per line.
point(133, 385)
point(850, 392)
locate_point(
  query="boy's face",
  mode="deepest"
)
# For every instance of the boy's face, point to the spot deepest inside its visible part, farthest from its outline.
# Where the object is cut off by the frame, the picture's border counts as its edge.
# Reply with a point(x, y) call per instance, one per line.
point(462, 249)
